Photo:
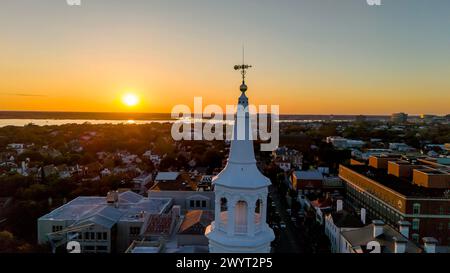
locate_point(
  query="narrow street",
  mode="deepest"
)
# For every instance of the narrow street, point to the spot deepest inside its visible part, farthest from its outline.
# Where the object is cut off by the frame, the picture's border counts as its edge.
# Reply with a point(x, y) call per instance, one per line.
point(290, 239)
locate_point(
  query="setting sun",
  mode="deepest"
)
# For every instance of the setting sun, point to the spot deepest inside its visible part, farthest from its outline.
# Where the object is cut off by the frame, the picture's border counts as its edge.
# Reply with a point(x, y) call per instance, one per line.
point(130, 99)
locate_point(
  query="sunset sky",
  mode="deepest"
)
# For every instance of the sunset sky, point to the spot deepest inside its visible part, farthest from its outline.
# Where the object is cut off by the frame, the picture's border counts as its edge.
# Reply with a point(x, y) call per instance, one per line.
point(308, 56)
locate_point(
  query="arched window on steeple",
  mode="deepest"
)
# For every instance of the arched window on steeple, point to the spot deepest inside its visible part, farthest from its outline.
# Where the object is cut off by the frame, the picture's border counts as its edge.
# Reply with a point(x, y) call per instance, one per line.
point(223, 213)
point(258, 206)
point(258, 211)
point(241, 217)
point(223, 204)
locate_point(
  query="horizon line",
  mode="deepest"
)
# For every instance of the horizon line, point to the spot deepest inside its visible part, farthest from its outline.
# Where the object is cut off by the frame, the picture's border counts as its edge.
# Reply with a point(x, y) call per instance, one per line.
point(169, 113)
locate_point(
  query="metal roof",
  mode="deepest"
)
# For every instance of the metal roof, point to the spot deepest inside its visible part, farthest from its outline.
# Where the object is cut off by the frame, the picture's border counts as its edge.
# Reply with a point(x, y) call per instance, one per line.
point(167, 176)
point(97, 210)
point(309, 175)
point(360, 237)
point(130, 197)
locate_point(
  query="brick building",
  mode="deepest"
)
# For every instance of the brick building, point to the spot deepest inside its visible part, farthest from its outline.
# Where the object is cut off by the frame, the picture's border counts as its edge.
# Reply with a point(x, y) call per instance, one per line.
point(307, 181)
point(397, 188)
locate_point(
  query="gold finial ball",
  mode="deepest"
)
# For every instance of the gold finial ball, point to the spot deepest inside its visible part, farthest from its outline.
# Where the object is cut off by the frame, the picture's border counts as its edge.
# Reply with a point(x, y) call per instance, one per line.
point(243, 87)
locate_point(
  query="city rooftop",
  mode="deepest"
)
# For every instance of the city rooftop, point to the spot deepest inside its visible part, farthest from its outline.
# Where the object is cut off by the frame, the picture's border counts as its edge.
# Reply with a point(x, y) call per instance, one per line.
point(129, 204)
point(401, 185)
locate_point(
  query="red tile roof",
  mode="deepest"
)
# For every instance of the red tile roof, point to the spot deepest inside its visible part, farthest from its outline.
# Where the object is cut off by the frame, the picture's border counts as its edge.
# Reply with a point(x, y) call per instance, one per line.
point(194, 217)
point(159, 224)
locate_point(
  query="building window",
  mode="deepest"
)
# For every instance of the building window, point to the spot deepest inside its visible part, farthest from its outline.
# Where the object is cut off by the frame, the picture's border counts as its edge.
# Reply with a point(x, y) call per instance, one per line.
point(135, 230)
point(441, 226)
point(415, 237)
point(89, 248)
point(448, 225)
point(441, 210)
point(86, 235)
point(102, 248)
point(56, 228)
point(416, 208)
point(415, 224)
point(105, 236)
point(203, 203)
point(197, 203)
point(192, 203)
point(99, 235)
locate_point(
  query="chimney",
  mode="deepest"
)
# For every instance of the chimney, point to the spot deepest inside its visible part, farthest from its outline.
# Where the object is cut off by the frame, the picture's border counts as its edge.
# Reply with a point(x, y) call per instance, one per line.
point(363, 216)
point(339, 205)
point(113, 198)
point(429, 244)
point(378, 228)
point(404, 228)
point(176, 210)
point(399, 244)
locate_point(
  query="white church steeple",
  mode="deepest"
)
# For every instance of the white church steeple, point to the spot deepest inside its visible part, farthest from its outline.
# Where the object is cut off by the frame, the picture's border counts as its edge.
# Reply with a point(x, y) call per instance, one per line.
point(240, 192)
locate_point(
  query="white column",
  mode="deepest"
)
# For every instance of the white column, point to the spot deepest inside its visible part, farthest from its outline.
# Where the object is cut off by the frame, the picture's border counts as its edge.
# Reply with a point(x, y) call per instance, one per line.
point(251, 218)
point(263, 211)
point(230, 216)
point(217, 216)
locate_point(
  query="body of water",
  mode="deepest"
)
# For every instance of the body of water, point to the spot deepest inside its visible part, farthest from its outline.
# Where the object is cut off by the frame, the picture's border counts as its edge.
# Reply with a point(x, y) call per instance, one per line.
point(44, 122)
point(49, 122)
point(60, 118)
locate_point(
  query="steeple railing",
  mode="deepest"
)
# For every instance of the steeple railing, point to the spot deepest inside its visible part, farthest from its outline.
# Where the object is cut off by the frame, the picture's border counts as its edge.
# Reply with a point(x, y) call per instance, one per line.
point(240, 229)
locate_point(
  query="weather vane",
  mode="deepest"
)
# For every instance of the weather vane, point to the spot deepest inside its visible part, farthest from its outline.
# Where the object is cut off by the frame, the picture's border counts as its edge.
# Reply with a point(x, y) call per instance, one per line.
point(242, 67)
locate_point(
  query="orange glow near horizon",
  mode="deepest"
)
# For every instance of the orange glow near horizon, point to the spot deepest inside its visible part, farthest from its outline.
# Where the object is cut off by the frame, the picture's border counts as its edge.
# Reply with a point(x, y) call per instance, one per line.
point(296, 102)
point(155, 97)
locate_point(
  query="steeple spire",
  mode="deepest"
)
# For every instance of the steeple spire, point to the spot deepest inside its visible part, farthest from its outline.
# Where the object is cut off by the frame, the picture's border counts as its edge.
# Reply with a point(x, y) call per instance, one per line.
point(241, 189)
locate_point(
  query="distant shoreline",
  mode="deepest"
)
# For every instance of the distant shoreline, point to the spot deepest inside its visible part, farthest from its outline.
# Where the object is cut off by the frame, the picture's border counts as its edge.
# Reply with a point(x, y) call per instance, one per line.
point(83, 115)
point(156, 116)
